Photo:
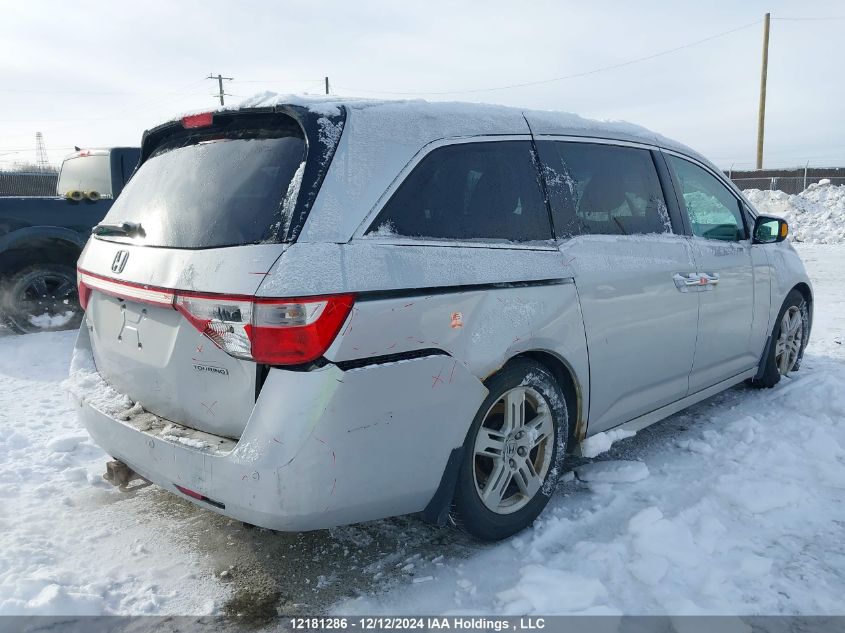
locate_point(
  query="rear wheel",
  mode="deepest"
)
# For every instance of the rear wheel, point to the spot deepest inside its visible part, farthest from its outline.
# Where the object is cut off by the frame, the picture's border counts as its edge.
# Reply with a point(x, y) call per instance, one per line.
point(788, 340)
point(513, 453)
point(41, 298)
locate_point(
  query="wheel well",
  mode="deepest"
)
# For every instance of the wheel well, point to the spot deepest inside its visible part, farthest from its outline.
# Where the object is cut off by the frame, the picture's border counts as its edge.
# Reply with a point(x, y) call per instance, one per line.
point(804, 289)
point(571, 390)
point(39, 250)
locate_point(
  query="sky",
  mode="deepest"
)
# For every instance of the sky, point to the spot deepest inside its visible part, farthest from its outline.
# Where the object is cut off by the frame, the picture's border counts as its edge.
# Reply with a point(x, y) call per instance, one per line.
point(97, 74)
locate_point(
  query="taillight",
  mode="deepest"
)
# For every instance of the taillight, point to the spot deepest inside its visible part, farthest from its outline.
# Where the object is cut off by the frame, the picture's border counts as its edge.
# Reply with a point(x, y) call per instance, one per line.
point(271, 331)
point(224, 321)
point(84, 293)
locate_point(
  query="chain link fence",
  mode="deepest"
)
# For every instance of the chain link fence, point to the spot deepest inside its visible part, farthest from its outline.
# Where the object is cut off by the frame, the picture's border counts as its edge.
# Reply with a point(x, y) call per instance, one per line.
point(788, 180)
point(28, 183)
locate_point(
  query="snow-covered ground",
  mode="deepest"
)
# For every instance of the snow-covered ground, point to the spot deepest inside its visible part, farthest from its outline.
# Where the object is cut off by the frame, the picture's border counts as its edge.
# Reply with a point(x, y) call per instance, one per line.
point(816, 215)
point(736, 505)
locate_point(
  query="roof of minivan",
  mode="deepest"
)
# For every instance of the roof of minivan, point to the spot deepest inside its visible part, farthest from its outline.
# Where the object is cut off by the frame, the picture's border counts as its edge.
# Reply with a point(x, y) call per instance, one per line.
point(455, 118)
point(379, 138)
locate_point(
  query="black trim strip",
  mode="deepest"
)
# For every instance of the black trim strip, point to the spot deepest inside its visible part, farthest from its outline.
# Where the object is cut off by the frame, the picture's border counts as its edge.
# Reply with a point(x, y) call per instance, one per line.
point(401, 293)
point(346, 365)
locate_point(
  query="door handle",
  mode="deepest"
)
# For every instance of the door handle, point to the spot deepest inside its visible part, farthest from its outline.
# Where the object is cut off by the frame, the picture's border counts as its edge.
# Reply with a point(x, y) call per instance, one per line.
point(687, 281)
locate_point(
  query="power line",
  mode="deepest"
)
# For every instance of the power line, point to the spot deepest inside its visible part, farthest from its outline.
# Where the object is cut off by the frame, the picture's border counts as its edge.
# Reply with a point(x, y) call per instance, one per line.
point(811, 19)
point(565, 77)
point(81, 92)
point(279, 81)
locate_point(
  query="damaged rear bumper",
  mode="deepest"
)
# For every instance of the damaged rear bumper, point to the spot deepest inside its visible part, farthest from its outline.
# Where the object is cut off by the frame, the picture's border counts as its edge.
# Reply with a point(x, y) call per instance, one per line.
point(321, 448)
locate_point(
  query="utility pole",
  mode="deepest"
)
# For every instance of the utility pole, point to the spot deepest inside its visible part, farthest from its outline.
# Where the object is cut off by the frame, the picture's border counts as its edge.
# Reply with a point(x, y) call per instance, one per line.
point(761, 117)
point(220, 79)
point(327, 85)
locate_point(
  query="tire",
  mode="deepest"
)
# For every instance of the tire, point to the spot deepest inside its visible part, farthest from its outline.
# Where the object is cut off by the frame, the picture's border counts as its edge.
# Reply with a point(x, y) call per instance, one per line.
point(490, 453)
point(776, 364)
point(41, 298)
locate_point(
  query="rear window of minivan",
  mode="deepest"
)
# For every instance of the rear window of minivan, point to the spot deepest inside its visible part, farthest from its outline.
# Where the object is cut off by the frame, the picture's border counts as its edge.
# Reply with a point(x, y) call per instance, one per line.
point(214, 188)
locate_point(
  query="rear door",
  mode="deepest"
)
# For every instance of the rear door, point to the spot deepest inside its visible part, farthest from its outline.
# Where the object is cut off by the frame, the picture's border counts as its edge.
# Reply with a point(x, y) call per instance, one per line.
point(722, 250)
point(624, 245)
point(206, 215)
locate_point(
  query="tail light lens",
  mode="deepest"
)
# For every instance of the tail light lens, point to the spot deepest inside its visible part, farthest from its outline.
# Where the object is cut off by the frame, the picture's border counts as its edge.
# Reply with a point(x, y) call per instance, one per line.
point(84, 293)
point(271, 331)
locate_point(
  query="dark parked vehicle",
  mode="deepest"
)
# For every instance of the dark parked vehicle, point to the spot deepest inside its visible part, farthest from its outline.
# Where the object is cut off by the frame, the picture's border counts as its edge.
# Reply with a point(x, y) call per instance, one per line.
point(42, 237)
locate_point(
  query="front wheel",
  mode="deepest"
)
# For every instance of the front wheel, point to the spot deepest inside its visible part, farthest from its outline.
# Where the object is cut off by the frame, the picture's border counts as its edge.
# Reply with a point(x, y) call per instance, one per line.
point(40, 298)
point(513, 454)
point(788, 340)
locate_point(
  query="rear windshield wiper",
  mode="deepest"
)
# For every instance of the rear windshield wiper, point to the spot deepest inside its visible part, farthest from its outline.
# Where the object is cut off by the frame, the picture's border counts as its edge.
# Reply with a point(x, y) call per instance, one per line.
point(127, 229)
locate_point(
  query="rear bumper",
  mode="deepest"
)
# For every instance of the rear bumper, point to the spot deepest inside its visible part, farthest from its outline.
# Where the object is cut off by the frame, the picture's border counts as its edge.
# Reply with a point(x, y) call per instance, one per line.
point(321, 448)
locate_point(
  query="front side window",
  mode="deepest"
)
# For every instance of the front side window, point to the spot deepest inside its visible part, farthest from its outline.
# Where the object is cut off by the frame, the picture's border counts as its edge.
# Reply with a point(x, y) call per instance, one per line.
point(603, 189)
point(469, 191)
point(713, 211)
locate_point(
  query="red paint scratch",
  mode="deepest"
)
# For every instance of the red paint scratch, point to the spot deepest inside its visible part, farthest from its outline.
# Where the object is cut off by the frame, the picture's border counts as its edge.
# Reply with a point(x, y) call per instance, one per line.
point(199, 349)
point(452, 373)
point(437, 378)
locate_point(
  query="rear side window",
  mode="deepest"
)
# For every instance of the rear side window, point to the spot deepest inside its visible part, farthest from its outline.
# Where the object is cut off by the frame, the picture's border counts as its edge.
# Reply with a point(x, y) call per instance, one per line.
point(469, 191)
point(603, 189)
point(714, 213)
point(214, 189)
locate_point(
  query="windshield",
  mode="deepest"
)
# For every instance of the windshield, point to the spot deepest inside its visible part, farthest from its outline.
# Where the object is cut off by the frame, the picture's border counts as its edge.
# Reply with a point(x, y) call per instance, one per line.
point(86, 173)
point(212, 190)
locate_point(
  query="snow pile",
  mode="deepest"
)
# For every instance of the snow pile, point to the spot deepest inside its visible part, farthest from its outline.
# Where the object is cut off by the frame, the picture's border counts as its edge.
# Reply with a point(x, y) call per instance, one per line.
point(816, 215)
point(70, 544)
point(731, 507)
point(600, 443)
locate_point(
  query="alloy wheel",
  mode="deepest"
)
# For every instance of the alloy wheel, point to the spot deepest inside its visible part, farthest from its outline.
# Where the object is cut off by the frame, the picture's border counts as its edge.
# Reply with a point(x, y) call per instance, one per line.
point(513, 450)
point(790, 340)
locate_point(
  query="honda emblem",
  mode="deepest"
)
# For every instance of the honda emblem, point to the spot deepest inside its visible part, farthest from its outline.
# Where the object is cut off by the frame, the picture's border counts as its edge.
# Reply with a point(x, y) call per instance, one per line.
point(119, 262)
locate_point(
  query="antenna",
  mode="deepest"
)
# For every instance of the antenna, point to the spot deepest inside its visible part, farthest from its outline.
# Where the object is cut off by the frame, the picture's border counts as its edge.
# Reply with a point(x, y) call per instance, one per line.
point(41, 152)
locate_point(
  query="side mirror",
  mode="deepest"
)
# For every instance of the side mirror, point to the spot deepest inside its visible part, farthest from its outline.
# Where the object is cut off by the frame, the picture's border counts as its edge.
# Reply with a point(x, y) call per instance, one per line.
point(768, 230)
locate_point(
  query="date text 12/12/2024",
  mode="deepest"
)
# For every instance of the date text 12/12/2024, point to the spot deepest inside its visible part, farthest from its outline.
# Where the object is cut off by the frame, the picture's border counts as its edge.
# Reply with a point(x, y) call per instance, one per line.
point(380, 623)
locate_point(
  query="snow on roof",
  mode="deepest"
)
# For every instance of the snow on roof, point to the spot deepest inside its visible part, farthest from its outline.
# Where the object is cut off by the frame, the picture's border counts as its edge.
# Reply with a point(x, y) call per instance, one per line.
point(457, 118)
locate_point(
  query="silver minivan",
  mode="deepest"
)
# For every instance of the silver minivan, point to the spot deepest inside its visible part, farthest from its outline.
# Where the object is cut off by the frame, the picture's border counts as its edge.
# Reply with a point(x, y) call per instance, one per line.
point(308, 313)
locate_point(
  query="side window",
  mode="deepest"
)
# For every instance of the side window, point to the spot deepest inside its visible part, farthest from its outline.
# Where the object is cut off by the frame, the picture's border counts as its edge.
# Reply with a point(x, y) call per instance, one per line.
point(713, 211)
point(603, 189)
point(469, 191)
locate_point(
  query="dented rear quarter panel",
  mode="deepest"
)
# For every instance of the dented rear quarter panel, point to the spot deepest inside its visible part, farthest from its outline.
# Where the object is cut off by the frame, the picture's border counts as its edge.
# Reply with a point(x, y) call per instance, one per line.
point(481, 304)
